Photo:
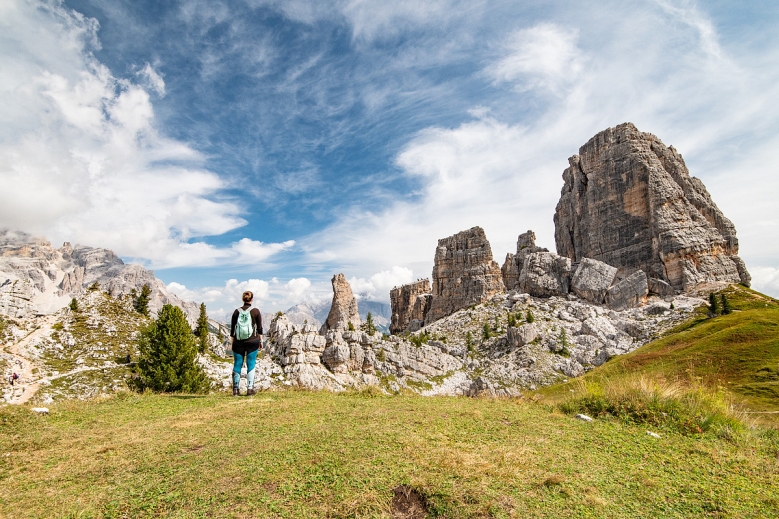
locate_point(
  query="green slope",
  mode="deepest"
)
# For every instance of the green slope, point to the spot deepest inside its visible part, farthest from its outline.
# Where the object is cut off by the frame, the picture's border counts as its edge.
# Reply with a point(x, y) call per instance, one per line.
point(296, 454)
point(738, 352)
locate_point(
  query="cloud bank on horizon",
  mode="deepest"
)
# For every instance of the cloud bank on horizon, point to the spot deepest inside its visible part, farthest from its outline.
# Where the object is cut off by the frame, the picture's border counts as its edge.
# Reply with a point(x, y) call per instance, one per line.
point(270, 144)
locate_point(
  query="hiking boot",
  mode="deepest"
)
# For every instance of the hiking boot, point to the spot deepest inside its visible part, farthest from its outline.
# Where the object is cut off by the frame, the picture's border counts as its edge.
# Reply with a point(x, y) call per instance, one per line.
point(250, 392)
point(236, 391)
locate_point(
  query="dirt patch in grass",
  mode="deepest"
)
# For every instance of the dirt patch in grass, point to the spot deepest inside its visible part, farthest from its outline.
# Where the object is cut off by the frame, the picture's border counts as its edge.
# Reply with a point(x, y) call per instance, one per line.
point(408, 503)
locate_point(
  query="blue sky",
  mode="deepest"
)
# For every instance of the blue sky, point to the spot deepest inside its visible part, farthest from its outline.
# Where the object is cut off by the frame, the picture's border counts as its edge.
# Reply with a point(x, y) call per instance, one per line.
point(271, 144)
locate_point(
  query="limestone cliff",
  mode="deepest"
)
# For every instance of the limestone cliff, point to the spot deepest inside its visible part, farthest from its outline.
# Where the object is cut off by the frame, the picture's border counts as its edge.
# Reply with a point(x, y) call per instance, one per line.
point(629, 201)
point(409, 303)
point(464, 273)
point(514, 263)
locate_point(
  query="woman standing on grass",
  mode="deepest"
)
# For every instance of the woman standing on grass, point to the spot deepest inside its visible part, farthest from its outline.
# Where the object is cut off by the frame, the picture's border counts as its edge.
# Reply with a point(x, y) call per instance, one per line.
point(246, 331)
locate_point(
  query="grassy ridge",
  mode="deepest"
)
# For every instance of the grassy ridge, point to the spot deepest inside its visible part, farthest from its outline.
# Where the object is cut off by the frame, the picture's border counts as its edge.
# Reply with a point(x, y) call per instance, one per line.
point(308, 454)
point(738, 353)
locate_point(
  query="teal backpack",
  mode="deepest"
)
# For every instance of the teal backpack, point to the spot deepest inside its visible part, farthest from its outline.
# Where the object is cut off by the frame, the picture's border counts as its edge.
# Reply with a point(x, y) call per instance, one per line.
point(244, 327)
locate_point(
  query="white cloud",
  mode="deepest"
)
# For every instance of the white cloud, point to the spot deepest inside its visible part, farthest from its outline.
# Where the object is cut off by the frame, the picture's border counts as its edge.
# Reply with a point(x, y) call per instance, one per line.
point(766, 280)
point(378, 286)
point(153, 79)
point(544, 57)
point(506, 176)
point(86, 140)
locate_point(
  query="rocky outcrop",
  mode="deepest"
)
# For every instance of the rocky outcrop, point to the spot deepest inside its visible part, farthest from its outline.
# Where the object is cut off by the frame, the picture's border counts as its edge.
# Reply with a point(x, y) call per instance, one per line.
point(409, 303)
point(57, 275)
point(464, 273)
point(629, 201)
point(592, 279)
point(545, 274)
point(514, 263)
point(343, 310)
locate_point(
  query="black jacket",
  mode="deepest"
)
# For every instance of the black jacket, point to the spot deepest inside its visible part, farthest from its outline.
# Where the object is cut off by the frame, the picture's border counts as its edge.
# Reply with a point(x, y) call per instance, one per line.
point(253, 342)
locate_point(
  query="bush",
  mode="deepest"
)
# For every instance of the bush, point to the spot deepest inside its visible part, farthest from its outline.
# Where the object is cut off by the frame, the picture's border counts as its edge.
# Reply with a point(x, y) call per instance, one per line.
point(512, 320)
point(530, 317)
point(689, 410)
point(73, 305)
point(94, 287)
point(350, 326)
point(469, 342)
point(486, 332)
point(167, 356)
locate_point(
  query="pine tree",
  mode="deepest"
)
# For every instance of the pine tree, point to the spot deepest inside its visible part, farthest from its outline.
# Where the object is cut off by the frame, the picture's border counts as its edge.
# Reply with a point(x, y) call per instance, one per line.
point(714, 308)
point(370, 328)
point(530, 317)
point(73, 305)
point(485, 333)
point(726, 308)
point(201, 330)
point(469, 341)
point(141, 302)
point(167, 356)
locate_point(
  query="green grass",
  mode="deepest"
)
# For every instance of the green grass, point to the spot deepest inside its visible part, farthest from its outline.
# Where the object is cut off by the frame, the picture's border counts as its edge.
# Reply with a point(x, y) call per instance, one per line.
point(310, 454)
point(737, 353)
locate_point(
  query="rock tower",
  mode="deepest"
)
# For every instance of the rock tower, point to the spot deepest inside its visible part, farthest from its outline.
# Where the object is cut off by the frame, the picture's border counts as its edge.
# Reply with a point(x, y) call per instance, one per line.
point(344, 308)
point(629, 201)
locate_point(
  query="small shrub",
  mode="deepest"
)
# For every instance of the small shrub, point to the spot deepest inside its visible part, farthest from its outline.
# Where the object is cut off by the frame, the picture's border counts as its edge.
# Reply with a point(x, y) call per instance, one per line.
point(530, 317)
point(381, 356)
point(350, 326)
point(497, 324)
point(94, 287)
point(57, 326)
point(279, 313)
point(486, 333)
point(672, 306)
point(419, 339)
point(73, 305)
point(512, 320)
point(385, 336)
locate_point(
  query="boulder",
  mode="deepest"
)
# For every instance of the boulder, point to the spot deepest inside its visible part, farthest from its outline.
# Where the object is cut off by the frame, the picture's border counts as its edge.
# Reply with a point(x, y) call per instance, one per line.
point(629, 201)
point(464, 274)
point(522, 335)
point(545, 274)
point(660, 288)
point(628, 293)
point(343, 309)
point(592, 279)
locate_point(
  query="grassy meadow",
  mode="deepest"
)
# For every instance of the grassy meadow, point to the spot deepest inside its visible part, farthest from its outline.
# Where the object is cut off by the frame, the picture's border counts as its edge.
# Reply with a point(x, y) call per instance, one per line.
point(317, 454)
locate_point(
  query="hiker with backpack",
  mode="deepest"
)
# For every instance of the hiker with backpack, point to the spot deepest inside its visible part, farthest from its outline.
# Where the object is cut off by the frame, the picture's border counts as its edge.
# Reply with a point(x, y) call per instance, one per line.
point(246, 331)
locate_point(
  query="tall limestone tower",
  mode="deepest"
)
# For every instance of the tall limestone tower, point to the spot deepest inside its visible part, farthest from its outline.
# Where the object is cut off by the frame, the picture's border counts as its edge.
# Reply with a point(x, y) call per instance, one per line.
point(629, 201)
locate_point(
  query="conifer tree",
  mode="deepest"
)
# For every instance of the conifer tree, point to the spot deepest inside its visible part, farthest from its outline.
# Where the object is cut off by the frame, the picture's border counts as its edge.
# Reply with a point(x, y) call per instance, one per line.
point(141, 302)
point(485, 333)
point(201, 330)
point(714, 308)
point(530, 317)
point(370, 327)
point(167, 356)
point(73, 305)
point(726, 308)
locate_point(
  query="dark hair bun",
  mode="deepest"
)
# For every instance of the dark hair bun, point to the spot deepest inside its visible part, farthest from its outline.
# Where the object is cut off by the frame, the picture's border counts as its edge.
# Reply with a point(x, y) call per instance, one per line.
point(247, 297)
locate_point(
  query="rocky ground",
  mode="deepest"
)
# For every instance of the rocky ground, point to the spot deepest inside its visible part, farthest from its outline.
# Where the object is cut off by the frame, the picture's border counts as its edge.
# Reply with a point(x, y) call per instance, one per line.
point(511, 343)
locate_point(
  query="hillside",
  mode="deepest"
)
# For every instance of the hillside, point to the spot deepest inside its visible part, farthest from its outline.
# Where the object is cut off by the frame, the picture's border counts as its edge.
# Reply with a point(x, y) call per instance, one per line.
point(307, 454)
point(738, 353)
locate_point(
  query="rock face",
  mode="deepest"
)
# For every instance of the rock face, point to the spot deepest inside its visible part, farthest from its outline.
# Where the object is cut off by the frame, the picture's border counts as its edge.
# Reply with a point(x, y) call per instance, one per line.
point(37, 278)
point(409, 303)
point(629, 201)
point(343, 309)
point(464, 273)
point(592, 279)
point(512, 266)
point(545, 274)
